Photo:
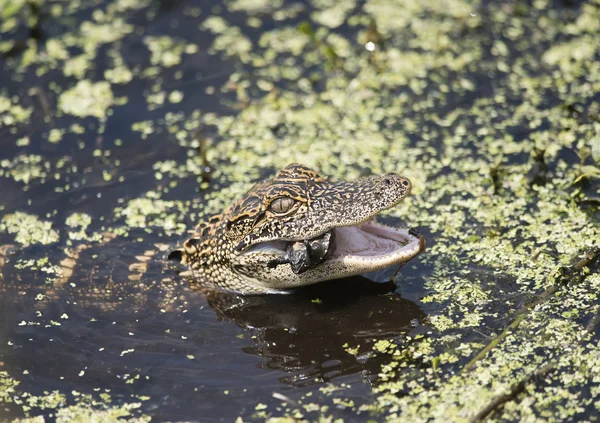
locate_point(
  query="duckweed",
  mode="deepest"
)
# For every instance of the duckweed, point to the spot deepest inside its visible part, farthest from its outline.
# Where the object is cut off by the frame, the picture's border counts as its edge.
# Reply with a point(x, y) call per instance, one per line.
point(456, 95)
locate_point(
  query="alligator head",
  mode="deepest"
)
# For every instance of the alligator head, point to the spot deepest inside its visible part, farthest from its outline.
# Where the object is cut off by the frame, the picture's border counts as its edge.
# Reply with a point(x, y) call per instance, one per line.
point(299, 228)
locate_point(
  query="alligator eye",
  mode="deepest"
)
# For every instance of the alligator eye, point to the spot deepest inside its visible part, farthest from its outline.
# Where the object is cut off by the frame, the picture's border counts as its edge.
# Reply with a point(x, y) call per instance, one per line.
point(282, 205)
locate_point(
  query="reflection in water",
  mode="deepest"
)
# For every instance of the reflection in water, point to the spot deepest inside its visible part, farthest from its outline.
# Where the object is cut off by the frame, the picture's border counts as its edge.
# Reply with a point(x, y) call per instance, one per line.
point(308, 333)
point(115, 320)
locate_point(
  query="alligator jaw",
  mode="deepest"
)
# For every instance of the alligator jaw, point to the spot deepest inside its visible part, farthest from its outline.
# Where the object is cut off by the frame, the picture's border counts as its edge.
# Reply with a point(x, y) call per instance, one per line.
point(364, 247)
point(373, 246)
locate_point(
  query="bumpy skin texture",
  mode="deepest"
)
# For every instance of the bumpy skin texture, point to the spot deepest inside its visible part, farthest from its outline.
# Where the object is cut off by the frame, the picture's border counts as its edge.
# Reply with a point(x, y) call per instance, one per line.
point(296, 204)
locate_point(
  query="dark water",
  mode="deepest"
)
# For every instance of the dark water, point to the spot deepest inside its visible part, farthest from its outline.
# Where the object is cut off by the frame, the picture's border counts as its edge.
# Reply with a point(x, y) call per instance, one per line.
point(114, 317)
point(189, 352)
point(122, 322)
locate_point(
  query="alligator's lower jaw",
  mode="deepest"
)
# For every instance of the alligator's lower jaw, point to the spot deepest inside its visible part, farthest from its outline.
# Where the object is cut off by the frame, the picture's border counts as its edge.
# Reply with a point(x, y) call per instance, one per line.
point(358, 249)
point(372, 246)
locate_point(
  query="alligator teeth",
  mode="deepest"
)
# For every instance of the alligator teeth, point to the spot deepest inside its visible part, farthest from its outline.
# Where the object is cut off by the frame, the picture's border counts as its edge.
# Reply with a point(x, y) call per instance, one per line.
point(374, 246)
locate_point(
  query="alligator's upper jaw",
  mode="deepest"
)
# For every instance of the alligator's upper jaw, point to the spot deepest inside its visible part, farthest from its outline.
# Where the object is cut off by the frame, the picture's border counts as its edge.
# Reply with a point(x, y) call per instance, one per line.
point(373, 246)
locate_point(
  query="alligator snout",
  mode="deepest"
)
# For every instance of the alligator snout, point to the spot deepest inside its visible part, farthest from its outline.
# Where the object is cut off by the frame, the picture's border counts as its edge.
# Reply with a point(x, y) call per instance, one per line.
point(395, 182)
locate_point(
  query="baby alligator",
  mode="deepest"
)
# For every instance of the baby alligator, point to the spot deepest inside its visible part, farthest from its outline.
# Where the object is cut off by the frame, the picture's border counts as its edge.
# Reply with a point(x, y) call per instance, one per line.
point(299, 228)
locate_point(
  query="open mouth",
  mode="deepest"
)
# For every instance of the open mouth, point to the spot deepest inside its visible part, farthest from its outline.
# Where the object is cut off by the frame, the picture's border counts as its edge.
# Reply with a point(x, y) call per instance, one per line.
point(374, 243)
point(366, 247)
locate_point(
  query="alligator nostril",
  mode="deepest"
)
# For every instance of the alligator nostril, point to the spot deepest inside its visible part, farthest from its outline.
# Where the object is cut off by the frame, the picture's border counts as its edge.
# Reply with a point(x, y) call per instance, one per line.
point(194, 241)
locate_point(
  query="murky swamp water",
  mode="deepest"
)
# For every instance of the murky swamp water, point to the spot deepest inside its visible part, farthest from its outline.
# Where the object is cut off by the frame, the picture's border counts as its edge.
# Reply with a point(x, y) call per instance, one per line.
point(111, 110)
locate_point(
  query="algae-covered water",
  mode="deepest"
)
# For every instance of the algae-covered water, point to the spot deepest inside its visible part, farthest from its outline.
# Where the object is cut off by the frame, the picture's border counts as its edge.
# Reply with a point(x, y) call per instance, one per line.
point(124, 123)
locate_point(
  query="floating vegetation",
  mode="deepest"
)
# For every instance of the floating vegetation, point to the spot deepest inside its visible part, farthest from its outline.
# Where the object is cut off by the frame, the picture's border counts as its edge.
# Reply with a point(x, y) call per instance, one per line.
point(87, 99)
point(28, 229)
point(12, 114)
point(490, 108)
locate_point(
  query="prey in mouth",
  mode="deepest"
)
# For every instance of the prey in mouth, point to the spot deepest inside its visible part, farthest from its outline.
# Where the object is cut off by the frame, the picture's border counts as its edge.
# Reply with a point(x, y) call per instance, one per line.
point(340, 252)
point(300, 228)
point(305, 255)
point(371, 245)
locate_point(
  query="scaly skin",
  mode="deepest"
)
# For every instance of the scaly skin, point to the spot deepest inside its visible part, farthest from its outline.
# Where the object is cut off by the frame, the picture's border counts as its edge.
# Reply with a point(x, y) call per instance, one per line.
point(296, 204)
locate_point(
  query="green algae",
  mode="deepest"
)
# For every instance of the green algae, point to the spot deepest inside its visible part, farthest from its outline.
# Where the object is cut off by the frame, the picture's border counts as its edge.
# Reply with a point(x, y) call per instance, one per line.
point(87, 99)
point(78, 224)
point(151, 211)
point(79, 220)
point(229, 39)
point(332, 13)
point(167, 51)
point(255, 6)
point(11, 113)
point(467, 227)
point(86, 409)
point(24, 168)
point(413, 107)
point(28, 229)
point(7, 388)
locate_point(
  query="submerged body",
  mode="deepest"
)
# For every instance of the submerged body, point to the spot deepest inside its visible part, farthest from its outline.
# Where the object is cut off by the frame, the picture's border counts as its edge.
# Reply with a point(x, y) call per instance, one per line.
point(299, 228)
